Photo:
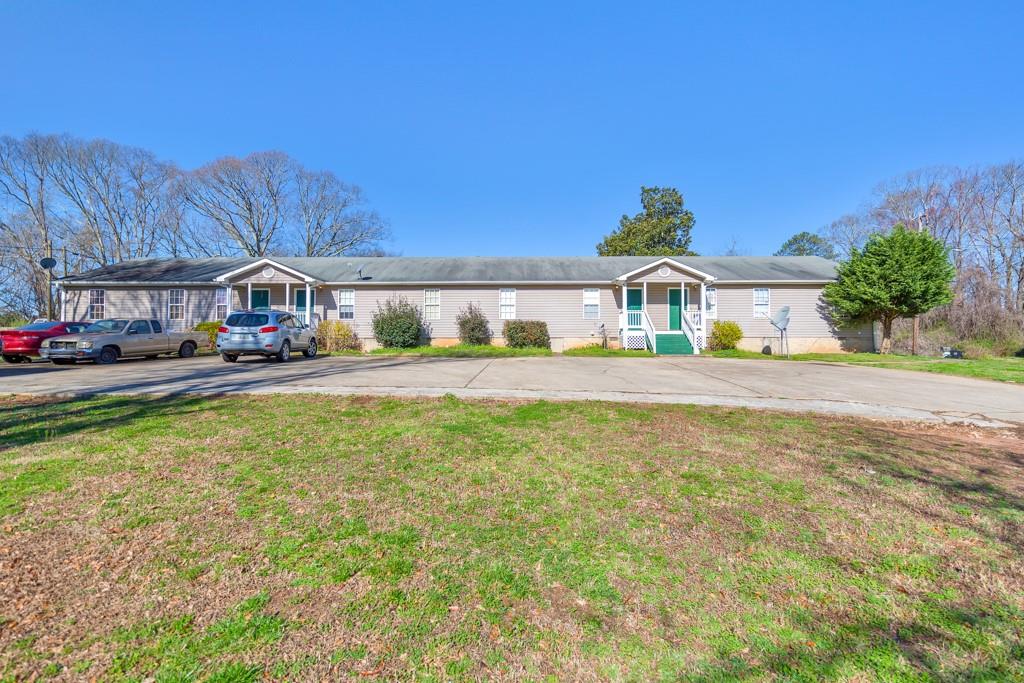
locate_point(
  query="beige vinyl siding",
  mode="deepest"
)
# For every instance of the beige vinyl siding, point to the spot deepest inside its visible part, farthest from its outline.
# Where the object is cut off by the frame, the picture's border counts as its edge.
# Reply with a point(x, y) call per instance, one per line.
point(285, 300)
point(736, 303)
point(657, 304)
point(674, 277)
point(561, 307)
point(256, 277)
point(126, 302)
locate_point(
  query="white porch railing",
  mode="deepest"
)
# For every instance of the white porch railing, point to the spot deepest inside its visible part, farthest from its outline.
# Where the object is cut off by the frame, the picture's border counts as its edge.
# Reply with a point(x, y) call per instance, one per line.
point(695, 318)
point(300, 315)
point(636, 331)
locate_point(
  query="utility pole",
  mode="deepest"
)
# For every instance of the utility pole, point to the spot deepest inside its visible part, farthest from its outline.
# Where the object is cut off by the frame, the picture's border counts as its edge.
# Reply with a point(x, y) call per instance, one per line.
point(916, 328)
point(49, 282)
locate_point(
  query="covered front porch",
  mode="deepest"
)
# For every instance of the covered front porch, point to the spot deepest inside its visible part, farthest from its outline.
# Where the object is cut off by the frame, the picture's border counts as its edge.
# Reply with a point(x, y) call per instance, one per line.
point(267, 284)
point(664, 308)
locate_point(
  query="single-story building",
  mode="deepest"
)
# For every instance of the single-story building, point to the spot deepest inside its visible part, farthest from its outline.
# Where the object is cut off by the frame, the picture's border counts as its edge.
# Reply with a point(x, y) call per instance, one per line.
point(665, 304)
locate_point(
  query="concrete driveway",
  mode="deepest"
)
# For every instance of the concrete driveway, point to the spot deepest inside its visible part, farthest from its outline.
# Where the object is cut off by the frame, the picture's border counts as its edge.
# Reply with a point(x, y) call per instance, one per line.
point(802, 386)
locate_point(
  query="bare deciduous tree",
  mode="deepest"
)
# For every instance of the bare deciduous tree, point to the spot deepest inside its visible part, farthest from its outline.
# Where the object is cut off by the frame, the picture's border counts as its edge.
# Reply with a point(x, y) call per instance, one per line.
point(330, 222)
point(247, 198)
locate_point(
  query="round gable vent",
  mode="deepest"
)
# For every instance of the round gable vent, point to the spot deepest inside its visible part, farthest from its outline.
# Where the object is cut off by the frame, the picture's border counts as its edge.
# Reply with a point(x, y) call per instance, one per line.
point(664, 271)
point(268, 272)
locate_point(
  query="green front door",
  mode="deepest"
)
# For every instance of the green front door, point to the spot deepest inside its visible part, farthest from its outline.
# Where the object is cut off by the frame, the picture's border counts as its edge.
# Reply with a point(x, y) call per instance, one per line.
point(300, 299)
point(260, 298)
point(634, 299)
point(675, 309)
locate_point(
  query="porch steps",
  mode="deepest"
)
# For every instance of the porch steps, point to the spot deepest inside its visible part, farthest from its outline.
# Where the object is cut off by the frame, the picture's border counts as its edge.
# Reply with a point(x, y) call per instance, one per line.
point(674, 344)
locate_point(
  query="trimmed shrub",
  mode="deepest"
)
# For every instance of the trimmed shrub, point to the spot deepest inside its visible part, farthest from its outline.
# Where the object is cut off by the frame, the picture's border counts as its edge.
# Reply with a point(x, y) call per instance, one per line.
point(397, 323)
point(725, 334)
point(473, 326)
point(335, 335)
point(523, 333)
point(210, 328)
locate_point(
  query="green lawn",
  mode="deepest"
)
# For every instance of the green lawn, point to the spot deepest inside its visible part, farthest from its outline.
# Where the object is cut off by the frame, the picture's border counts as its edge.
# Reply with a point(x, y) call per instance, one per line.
point(999, 369)
point(596, 350)
point(464, 351)
point(328, 538)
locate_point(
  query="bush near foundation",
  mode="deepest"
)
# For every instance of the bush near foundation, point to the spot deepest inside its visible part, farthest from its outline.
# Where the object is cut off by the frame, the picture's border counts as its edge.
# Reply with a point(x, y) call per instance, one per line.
point(397, 323)
point(725, 334)
point(473, 326)
point(210, 328)
point(520, 334)
point(335, 335)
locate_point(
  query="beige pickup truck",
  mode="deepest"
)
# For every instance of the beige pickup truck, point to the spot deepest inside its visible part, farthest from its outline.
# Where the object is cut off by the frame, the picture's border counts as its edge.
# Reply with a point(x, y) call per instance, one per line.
point(104, 341)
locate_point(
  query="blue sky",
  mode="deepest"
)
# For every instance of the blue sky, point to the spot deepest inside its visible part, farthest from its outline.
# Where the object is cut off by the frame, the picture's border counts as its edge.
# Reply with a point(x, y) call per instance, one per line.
point(528, 128)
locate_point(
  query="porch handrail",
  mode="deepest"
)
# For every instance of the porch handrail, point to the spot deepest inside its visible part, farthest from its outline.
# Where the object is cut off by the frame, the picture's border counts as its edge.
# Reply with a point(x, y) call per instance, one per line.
point(638, 319)
point(695, 318)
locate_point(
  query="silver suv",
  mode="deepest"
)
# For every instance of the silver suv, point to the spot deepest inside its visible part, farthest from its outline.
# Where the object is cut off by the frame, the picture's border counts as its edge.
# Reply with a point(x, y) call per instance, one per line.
point(266, 333)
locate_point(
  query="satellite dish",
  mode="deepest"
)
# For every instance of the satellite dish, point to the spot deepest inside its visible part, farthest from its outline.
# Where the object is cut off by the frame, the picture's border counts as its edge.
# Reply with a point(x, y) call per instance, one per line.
point(781, 321)
point(781, 318)
point(48, 263)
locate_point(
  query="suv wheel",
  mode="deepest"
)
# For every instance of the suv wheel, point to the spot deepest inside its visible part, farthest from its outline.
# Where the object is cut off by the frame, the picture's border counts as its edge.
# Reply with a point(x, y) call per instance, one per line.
point(107, 356)
point(229, 357)
point(285, 353)
point(310, 351)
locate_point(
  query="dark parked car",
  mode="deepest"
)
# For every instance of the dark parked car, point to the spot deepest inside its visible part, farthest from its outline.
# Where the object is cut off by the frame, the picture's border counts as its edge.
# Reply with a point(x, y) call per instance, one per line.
point(19, 345)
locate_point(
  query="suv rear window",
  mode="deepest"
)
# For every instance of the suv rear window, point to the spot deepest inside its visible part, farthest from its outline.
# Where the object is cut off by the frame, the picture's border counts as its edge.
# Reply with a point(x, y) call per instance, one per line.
point(246, 320)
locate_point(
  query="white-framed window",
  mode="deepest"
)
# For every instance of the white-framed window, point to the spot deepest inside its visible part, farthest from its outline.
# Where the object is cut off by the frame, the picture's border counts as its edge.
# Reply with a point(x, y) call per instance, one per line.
point(97, 304)
point(346, 304)
point(711, 302)
point(762, 302)
point(592, 304)
point(507, 304)
point(220, 308)
point(176, 304)
point(431, 304)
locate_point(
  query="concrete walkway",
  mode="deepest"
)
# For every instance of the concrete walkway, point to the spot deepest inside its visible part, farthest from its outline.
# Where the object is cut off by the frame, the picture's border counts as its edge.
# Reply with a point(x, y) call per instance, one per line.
point(803, 386)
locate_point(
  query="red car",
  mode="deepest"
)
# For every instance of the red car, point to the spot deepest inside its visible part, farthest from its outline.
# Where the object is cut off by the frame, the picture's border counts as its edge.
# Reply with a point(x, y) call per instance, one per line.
point(17, 346)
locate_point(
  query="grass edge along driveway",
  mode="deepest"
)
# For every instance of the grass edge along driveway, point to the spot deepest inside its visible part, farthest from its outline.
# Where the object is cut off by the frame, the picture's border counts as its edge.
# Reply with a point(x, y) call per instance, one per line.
point(244, 538)
point(1009, 370)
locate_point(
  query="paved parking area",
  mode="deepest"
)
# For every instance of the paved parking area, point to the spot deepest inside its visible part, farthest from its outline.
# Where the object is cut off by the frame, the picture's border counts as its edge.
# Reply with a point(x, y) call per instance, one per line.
point(818, 387)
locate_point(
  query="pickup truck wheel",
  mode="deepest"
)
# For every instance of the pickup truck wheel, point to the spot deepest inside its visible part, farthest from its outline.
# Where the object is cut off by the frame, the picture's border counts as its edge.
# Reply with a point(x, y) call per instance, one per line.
point(285, 353)
point(229, 357)
point(108, 355)
point(187, 350)
point(310, 351)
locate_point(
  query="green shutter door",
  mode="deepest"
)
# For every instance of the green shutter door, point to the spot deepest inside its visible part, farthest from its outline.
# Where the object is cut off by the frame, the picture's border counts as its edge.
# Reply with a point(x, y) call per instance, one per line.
point(634, 299)
point(260, 298)
point(300, 299)
point(675, 309)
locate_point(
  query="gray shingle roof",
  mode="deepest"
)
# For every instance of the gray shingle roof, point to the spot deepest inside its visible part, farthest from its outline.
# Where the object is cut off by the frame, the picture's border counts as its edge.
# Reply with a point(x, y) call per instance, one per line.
point(409, 269)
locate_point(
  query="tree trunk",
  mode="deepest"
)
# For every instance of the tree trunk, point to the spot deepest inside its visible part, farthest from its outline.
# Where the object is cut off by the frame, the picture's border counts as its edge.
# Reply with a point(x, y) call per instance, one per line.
point(886, 336)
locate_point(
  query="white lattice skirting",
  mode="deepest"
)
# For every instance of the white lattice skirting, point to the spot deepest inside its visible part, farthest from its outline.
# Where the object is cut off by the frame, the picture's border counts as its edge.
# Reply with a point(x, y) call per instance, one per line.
point(636, 341)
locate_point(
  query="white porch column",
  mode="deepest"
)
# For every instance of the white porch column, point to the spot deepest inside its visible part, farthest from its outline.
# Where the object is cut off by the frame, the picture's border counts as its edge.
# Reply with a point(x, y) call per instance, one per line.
point(703, 313)
point(287, 296)
point(227, 288)
point(309, 319)
point(249, 304)
point(62, 293)
point(645, 296)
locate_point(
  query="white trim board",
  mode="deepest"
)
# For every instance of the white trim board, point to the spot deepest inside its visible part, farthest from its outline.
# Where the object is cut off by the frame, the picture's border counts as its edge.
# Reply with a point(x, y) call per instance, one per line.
point(266, 262)
point(669, 262)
